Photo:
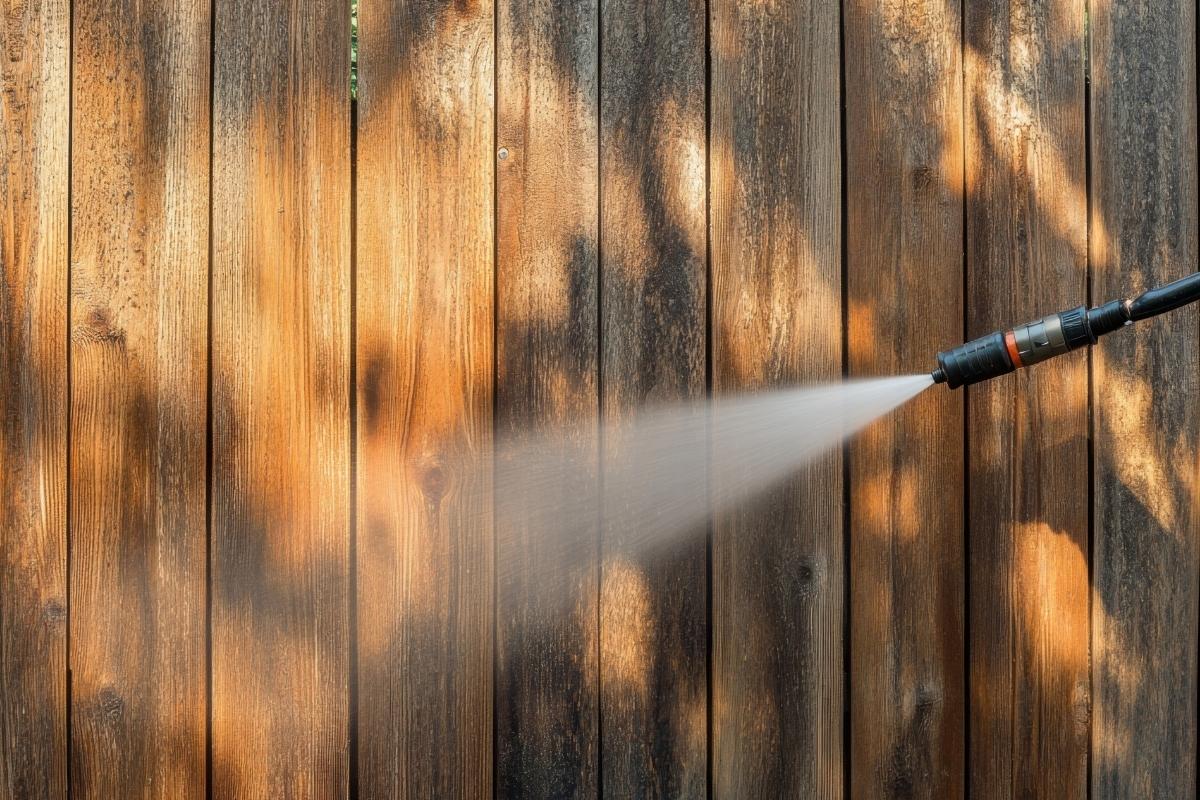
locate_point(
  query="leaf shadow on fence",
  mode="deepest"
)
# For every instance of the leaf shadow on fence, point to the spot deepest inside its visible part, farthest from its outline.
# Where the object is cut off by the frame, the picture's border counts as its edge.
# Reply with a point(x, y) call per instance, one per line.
point(1154, 505)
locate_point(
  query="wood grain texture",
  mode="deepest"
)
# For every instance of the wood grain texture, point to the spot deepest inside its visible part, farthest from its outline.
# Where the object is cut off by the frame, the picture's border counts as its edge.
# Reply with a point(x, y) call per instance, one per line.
point(653, 232)
point(424, 344)
point(1027, 256)
point(1146, 422)
point(34, 140)
point(904, 285)
point(547, 366)
point(281, 399)
point(778, 566)
point(139, 351)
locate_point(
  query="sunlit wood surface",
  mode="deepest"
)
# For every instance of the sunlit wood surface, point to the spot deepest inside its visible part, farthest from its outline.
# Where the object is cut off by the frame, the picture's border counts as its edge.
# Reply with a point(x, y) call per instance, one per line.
point(1027, 438)
point(904, 279)
point(279, 344)
point(259, 337)
point(138, 354)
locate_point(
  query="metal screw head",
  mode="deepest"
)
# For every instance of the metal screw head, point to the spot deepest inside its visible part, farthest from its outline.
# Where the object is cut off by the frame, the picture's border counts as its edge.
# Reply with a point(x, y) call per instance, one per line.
point(503, 154)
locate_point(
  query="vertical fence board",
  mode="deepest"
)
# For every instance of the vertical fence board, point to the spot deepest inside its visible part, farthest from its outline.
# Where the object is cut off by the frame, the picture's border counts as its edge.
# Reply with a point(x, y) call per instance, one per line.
point(904, 284)
point(653, 595)
point(280, 389)
point(424, 344)
point(778, 566)
point(139, 340)
point(1145, 423)
point(34, 136)
point(546, 340)
point(1027, 256)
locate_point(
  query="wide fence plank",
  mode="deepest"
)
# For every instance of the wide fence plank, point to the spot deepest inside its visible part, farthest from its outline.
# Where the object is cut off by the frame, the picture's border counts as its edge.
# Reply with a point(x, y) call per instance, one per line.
point(778, 560)
point(904, 182)
point(653, 581)
point(281, 399)
point(547, 356)
point(139, 351)
point(1027, 256)
point(424, 371)
point(34, 141)
point(1146, 422)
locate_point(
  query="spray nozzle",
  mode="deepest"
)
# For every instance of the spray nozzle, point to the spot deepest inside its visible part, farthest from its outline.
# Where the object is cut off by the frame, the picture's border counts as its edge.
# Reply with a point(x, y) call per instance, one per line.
point(1005, 351)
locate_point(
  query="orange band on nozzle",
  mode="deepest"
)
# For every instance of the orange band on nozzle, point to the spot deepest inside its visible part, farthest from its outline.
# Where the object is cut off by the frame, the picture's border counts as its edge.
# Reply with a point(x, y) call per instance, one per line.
point(1010, 341)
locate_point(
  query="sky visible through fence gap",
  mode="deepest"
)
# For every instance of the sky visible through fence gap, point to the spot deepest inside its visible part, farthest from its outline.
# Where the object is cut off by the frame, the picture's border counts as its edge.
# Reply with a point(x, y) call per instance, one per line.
point(353, 49)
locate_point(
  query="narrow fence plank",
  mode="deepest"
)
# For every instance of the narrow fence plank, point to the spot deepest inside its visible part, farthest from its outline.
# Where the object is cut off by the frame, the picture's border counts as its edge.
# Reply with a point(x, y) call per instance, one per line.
point(34, 141)
point(778, 564)
point(546, 340)
point(281, 399)
point(904, 282)
point(139, 350)
point(1146, 422)
point(1027, 256)
point(424, 345)
point(653, 590)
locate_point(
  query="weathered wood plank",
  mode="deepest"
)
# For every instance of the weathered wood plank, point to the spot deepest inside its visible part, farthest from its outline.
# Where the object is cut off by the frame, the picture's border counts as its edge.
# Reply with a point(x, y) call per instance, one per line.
point(1027, 256)
point(1146, 422)
point(424, 345)
point(281, 399)
point(653, 600)
point(777, 666)
point(904, 285)
point(546, 340)
point(139, 350)
point(34, 135)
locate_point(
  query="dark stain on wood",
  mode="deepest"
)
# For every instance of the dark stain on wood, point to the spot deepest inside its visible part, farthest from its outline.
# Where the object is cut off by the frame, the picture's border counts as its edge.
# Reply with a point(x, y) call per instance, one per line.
point(652, 274)
point(547, 680)
point(374, 371)
point(1146, 423)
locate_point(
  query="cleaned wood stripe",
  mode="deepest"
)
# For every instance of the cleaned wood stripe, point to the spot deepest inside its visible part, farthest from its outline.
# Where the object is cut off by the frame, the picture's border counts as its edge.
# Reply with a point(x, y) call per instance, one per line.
point(425, 366)
point(281, 399)
point(778, 565)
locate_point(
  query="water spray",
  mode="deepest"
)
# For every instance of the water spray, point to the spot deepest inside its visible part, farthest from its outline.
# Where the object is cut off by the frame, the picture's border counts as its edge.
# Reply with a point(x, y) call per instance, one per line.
point(1002, 352)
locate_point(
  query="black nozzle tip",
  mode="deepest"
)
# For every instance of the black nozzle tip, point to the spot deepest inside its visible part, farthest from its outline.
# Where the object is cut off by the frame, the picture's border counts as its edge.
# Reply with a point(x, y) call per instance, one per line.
point(975, 361)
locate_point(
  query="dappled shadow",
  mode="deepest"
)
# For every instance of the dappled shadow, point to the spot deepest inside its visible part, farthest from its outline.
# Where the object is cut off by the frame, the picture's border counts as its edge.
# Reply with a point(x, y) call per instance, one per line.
point(1027, 235)
point(589, 637)
point(904, 206)
point(139, 240)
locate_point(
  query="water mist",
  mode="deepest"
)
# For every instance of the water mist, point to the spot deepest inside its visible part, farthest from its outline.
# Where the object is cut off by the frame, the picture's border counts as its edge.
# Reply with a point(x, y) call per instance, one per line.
point(659, 475)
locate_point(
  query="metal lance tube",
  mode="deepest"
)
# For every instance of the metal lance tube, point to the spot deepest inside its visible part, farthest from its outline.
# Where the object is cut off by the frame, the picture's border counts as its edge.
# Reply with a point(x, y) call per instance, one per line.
point(1002, 352)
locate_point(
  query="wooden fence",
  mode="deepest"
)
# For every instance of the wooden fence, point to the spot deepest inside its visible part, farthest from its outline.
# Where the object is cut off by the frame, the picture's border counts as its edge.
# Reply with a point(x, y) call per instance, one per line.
point(252, 332)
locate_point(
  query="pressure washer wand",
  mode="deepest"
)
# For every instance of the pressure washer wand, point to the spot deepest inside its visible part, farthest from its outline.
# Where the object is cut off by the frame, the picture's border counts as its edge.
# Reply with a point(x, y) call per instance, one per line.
point(1003, 352)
